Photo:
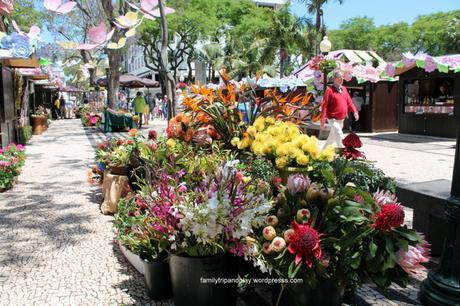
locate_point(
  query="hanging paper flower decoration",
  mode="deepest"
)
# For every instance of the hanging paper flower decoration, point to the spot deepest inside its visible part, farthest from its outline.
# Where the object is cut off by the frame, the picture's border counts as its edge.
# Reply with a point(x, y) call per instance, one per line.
point(97, 36)
point(6, 7)
point(430, 64)
point(58, 6)
point(18, 44)
point(147, 8)
point(408, 59)
point(390, 70)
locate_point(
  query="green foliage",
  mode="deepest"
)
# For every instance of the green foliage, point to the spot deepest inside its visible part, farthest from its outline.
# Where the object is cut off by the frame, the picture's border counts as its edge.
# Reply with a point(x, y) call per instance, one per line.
point(436, 34)
point(369, 178)
point(24, 134)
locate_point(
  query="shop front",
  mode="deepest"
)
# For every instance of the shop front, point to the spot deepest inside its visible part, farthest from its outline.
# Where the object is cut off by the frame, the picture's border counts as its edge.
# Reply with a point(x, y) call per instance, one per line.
point(428, 102)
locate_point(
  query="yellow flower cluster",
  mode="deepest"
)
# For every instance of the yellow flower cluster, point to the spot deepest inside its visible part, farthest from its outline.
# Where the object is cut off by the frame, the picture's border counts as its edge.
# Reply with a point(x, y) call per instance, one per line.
point(283, 141)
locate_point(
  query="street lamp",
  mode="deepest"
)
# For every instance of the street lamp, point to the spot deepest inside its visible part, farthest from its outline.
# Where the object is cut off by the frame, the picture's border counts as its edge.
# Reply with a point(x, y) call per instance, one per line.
point(442, 286)
point(325, 46)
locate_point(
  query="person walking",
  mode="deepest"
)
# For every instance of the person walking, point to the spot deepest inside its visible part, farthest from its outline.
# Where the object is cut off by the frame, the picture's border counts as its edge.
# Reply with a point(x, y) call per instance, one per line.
point(164, 106)
point(336, 103)
point(57, 107)
point(139, 107)
point(358, 101)
point(63, 107)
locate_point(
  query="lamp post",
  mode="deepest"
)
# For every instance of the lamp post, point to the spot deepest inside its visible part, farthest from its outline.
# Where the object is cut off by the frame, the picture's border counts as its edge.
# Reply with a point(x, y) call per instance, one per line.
point(325, 46)
point(442, 286)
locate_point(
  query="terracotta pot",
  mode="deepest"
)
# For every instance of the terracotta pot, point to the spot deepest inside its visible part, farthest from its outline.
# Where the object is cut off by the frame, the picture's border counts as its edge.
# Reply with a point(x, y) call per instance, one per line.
point(119, 170)
point(39, 124)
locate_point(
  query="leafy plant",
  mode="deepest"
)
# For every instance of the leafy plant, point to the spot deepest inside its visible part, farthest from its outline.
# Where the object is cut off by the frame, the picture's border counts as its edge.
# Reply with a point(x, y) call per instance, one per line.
point(24, 134)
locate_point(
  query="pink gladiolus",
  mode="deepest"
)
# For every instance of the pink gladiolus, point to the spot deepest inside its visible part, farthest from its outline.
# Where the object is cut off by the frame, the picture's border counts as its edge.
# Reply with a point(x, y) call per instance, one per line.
point(410, 260)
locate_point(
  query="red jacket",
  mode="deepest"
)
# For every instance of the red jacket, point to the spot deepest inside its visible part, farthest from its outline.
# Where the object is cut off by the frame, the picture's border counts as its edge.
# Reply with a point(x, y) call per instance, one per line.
point(336, 105)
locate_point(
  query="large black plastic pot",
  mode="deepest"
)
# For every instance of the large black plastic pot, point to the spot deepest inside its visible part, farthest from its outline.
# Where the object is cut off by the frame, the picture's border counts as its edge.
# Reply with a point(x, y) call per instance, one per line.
point(195, 280)
point(326, 293)
point(157, 280)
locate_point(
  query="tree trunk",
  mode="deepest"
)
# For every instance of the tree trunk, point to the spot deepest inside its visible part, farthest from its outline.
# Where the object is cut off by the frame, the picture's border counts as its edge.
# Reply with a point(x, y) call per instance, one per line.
point(113, 77)
point(318, 27)
point(170, 84)
point(283, 55)
point(189, 64)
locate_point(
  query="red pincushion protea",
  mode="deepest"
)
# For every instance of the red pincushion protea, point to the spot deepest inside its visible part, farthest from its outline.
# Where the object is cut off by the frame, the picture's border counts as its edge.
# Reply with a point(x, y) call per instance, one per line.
point(352, 141)
point(391, 215)
point(304, 243)
point(351, 153)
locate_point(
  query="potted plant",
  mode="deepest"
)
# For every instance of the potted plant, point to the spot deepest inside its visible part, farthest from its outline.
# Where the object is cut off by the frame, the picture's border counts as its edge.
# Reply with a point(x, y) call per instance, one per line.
point(12, 159)
point(38, 121)
point(215, 220)
point(283, 143)
point(142, 227)
point(335, 236)
point(120, 158)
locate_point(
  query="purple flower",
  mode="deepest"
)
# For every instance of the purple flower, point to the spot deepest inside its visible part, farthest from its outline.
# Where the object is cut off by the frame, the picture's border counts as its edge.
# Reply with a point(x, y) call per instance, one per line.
point(430, 64)
point(390, 70)
point(180, 173)
point(297, 183)
point(182, 187)
point(20, 147)
point(408, 59)
point(130, 214)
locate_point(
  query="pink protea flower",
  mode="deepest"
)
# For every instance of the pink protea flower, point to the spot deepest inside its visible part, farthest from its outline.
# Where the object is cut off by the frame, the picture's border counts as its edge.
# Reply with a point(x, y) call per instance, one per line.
point(304, 244)
point(269, 233)
point(383, 197)
point(391, 215)
point(278, 244)
point(297, 183)
point(410, 260)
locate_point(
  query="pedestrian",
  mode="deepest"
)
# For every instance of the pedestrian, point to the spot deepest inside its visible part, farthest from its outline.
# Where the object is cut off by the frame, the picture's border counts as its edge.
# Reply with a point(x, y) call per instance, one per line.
point(63, 107)
point(336, 103)
point(151, 102)
point(358, 101)
point(139, 107)
point(165, 106)
point(57, 107)
point(146, 112)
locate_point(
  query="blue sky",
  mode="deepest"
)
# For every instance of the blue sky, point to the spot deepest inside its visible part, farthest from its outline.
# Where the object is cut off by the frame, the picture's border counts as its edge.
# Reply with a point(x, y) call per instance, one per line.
point(383, 12)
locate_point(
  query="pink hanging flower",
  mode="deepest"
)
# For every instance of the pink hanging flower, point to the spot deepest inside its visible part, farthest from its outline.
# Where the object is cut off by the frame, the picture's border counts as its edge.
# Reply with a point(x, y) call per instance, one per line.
point(6, 7)
point(410, 260)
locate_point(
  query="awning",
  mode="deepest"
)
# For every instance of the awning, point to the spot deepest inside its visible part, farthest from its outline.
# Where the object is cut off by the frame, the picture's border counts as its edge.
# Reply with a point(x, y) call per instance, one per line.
point(131, 81)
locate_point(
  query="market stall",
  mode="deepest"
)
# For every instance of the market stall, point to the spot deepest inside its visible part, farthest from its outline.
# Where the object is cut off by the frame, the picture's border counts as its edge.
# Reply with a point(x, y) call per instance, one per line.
point(114, 120)
point(430, 98)
point(367, 81)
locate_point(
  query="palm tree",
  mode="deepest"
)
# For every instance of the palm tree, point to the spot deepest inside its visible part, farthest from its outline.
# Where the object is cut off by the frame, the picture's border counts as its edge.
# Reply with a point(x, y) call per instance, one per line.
point(314, 7)
point(285, 34)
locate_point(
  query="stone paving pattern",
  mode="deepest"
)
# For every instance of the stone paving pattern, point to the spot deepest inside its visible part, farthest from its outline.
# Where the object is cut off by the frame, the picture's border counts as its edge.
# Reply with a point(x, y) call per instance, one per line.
point(56, 248)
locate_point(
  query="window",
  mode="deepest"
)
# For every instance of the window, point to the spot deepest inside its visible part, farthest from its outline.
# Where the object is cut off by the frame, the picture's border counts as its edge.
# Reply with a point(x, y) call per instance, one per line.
point(433, 96)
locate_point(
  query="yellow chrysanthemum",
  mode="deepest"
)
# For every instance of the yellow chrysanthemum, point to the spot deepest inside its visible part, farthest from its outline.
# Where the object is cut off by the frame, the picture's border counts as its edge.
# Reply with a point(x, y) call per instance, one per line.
point(328, 154)
point(259, 124)
point(243, 144)
point(302, 159)
point(282, 149)
point(281, 162)
point(252, 131)
point(270, 120)
point(235, 141)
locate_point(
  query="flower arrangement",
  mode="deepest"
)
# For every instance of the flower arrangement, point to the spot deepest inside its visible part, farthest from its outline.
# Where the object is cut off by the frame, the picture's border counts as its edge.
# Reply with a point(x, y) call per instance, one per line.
point(224, 112)
point(282, 142)
point(12, 159)
point(338, 232)
point(40, 111)
point(221, 213)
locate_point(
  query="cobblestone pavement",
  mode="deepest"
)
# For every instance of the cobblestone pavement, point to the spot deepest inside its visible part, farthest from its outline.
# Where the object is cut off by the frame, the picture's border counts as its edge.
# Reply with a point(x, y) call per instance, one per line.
point(56, 248)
